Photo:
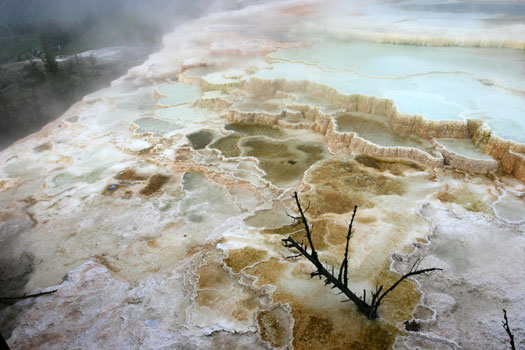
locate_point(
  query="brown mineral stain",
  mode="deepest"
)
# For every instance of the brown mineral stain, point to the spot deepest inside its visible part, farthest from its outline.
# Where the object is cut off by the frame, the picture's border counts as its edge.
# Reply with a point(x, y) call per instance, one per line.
point(445, 196)
point(466, 198)
point(328, 200)
point(274, 326)
point(268, 271)
point(174, 227)
point(240, 314)
point(365, 219)
point(200, 139)
point(47, 337)
point(43, 147)
point(340, 185)
point(155, 183)
point(152, 243)
point(238, 259)
point(220, 291)
point(329, 328)
point(283, 230)
point(105, 260)
point(209, 298)
point(256, 129)
point(335, 233)
point(212, 275)
point(228, 145)
point(318, 234)
point(282, 161)
point(396, 167)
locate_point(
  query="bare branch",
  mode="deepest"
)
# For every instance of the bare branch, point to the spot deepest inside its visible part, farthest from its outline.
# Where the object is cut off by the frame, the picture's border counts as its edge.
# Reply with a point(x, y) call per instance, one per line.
point(291, 243)
point(306, 226)
point(3, 299)
point(505, 324)
point(401, 279)
point(308, 207)
point(296, 218)
point(344, 264)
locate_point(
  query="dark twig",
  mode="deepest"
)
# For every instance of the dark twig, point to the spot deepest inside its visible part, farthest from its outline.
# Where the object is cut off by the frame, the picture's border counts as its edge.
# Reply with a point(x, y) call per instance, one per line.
point(26, 296)
point(413, 272)
point(507, 329)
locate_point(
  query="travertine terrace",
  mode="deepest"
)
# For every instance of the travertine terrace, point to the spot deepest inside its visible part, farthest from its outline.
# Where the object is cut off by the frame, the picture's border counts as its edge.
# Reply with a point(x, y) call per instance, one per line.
point(156, 207)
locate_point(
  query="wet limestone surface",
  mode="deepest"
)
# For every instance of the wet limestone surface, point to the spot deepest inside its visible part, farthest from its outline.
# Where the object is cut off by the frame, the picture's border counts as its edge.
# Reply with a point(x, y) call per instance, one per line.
point(468, 288)
point(154, 184)
point(238, 259)
point(342, 184)
point(176, 94)
point(465, 197)
point(275, 327)
point(228, 145)
point(377, 130)
point(422, 80)
point(269, 218)
point(156, 126)
point(201, 138)
point(282, 161)
point(215, 285)
point(464, 147)
point(396, 167)
point(510, 207)
point(256, 129)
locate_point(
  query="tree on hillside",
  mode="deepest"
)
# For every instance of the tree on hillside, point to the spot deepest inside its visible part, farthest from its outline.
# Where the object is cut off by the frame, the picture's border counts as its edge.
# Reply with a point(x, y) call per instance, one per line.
point(50, 62)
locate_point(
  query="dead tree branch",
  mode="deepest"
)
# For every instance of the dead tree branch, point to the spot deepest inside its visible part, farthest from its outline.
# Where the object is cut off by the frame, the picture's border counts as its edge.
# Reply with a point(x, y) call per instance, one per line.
point(378, 298)
point(5, 300)
point(341, 281)
point(505, 324)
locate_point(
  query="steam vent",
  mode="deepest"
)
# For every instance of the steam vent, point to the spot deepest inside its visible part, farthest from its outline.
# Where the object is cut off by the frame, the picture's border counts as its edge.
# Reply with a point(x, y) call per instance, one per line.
point(156, 207)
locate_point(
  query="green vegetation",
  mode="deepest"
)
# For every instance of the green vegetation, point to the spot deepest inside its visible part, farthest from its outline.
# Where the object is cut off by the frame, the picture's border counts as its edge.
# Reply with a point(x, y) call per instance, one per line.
point(50, 62)
point(18, 47)
point(28, 40)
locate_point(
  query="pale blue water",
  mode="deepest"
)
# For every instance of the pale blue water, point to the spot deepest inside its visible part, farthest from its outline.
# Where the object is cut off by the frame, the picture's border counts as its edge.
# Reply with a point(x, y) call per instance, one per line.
point(178, 93)
point(438, 83)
